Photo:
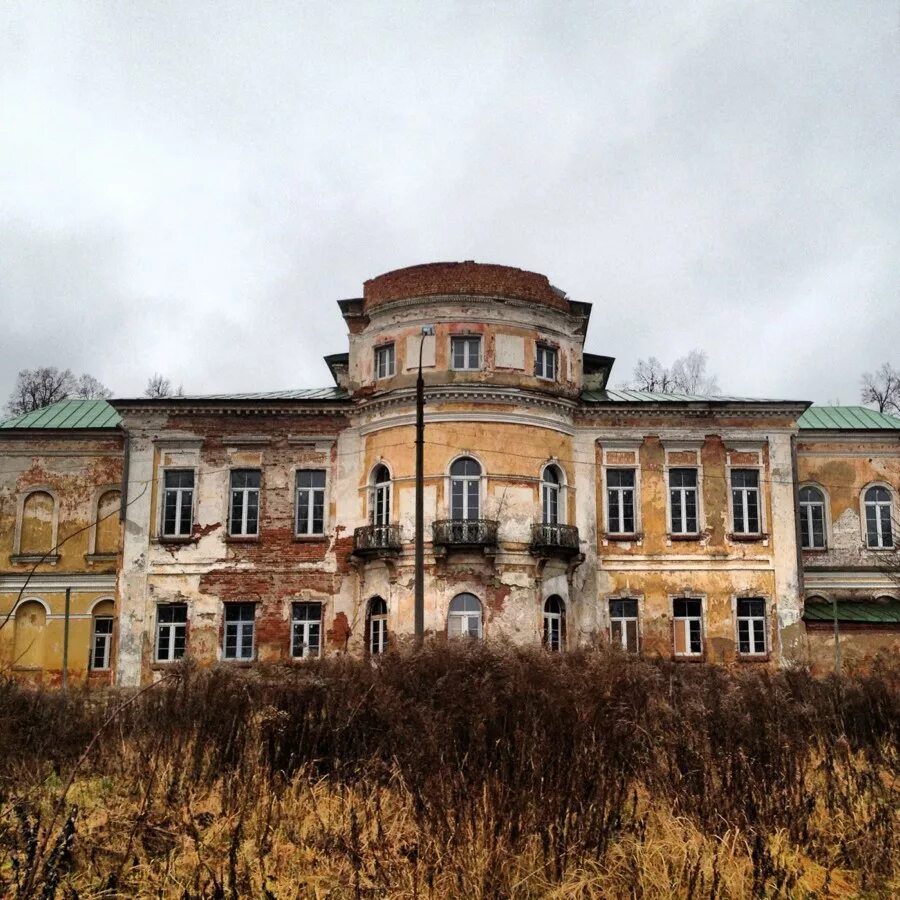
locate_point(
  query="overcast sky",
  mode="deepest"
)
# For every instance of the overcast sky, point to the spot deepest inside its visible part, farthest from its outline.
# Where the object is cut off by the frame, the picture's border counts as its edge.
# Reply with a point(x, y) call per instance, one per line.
point(189, 187)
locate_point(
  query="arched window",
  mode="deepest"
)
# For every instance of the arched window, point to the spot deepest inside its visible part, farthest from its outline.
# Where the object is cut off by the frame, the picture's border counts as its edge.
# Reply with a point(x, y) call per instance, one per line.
point(812, 519)
point(106, 541)
point(378, 632)
point(465, 489)
point(101, 636)
point(380, 511)
point(554, 623)
point(28, 642)
point(878, 503)
point(37, 536)
point(551, 495)
point(465, 616)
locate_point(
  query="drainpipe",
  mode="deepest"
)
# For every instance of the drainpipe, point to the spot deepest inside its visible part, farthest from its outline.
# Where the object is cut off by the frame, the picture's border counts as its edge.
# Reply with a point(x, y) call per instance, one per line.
point(798, 543)
point(837, 638)
point(65, 665)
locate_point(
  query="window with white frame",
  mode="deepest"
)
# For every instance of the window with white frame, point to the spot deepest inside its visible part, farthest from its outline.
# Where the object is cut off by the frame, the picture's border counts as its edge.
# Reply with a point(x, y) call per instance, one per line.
point(554, 623)
point(465, 489)
point(551, 491)
point(101, 643)
point(623, 624)
point(178, 502)
point(240, 622)
point(745, 501)
point(243, 518)
point(171, 631)
point(620, 501)
point(380, 509)
point(683, 500)
point(310, 501)
point(306, 630)
point(879, 532)
point(384, 361)
point(545, 361)
point(464, 616)
point(812, 519)
point(378, 633)
point(465, 352)
point(687, 614)
point(751, 626)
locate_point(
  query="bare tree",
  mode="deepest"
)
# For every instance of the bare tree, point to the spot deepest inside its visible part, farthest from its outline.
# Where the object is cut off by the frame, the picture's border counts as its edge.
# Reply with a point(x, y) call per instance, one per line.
point(882, 389)
point(687, 375)
point(159, 386)
point(37, 388)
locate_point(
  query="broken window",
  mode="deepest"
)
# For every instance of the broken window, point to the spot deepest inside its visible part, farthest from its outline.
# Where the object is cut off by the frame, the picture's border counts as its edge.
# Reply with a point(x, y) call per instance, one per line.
point(240, 619)
point(879, 534)
point(623, 624)
point(465, 489)
point(244, 513)
point(465, 352)
point(384, 361)
point(306, 630)
point(745, 500)
point(683, 500)
point(545, 359)
point(378, 633)
point(751, 623)
point(464, 618)
point(554, 623)
point(812, 519)
point(688, 621)
point(311, 501)
point(620, 500)
point(178, 503)
point(171, 630)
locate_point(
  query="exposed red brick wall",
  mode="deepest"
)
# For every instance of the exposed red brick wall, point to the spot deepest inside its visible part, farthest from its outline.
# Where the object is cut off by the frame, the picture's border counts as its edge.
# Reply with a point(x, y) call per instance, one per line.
point(479, 279)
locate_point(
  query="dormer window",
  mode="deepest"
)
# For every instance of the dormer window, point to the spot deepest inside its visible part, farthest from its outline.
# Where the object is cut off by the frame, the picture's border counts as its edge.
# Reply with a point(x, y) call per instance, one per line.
point(384, 361)
point(545, 362)
point(465, 353)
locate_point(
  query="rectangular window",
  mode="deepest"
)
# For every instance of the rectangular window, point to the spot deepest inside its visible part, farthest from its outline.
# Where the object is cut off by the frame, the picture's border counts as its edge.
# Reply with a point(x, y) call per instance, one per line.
point(306, 630)
point(311, 501)
point(688, 620)
point(545, 362)
point(240, 619)
point(620, 500)
point(178, 503)
point(171, 628)
point(244, 513)
point(384, 361)
point(101, 643)
point(465, 352)
point(751, 625)
point(745, 500)
point(683, 500)
point(623, 624)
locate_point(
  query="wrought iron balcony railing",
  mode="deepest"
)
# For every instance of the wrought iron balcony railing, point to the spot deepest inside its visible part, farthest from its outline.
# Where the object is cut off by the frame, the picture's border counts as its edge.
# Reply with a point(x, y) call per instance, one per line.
point(464, 533)
point(372, 540)
point(554, 540)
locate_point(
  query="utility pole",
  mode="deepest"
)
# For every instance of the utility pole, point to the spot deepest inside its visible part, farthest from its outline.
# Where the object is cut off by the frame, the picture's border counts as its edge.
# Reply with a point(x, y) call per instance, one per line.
point(427, 330)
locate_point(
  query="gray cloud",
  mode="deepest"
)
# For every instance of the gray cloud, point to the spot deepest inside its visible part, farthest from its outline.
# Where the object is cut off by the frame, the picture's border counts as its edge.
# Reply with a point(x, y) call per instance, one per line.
point(188, 188)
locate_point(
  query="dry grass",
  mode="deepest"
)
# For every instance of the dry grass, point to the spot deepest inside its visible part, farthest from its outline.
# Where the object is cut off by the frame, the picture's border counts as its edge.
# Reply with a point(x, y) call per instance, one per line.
point(456, 771)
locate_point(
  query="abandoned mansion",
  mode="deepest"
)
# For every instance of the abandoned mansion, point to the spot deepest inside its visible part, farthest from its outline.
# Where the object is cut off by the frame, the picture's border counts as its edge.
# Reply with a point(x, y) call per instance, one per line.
point(273, 527)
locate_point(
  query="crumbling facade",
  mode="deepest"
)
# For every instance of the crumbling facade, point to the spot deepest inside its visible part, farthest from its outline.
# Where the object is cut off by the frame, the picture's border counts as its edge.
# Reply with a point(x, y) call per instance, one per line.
point(275, 527)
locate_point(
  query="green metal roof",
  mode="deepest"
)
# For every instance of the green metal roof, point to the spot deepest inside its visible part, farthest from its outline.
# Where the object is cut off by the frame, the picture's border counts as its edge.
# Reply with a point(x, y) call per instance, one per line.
point(326, 393)
point(627, 396)
point(876, 612)
point(847, 418)
point(67, 414)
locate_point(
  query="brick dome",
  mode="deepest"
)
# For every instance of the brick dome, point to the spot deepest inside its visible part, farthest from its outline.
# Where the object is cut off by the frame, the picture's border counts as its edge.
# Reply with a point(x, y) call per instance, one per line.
point(464, 278)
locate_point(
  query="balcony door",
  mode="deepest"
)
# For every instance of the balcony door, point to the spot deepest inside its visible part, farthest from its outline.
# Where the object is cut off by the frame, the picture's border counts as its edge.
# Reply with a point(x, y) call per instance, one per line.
point(465, 489)
point(381, 496)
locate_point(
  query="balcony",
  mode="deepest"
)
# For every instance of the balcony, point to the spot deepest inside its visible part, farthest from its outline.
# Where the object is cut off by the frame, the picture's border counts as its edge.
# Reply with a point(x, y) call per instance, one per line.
point(554, 540)
point(462, 534)
point(376, 540)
